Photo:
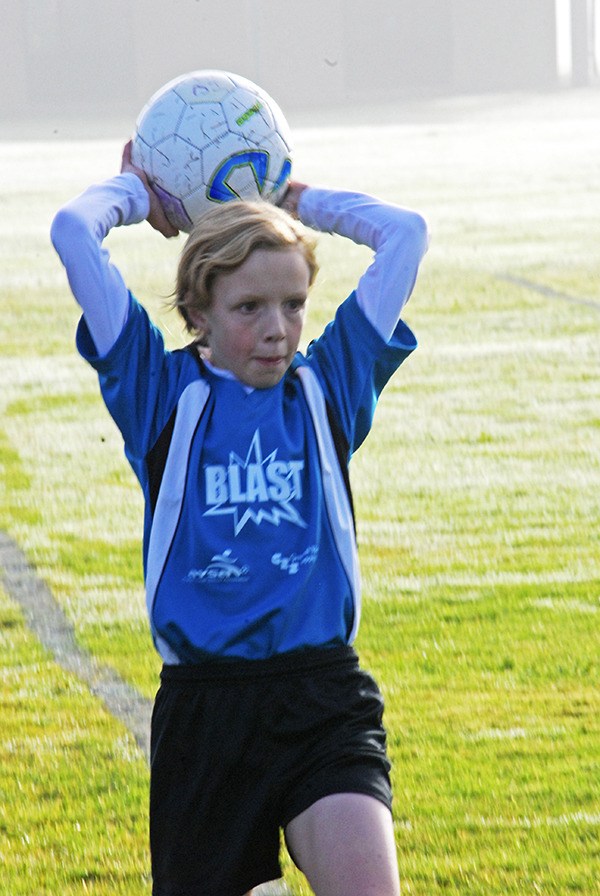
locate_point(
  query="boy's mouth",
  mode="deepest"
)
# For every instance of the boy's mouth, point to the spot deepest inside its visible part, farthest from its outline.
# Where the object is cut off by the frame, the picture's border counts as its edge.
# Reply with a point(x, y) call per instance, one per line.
point(269, 361)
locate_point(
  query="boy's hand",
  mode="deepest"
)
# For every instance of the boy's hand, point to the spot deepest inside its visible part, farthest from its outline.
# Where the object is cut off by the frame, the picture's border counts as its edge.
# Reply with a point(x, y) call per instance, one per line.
point(156, 216)
point(291, 198)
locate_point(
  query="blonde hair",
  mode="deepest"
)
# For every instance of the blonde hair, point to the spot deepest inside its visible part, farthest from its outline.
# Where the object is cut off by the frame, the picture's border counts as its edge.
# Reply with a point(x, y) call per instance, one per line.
point(222, 240)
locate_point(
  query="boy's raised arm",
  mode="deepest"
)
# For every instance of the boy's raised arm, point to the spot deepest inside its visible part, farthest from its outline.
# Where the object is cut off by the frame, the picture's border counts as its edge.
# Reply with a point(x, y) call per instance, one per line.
point(397, 235)
point(77, 232)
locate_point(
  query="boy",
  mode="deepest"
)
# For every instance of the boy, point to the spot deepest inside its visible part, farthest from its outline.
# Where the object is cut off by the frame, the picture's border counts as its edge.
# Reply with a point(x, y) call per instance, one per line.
point(264, 720)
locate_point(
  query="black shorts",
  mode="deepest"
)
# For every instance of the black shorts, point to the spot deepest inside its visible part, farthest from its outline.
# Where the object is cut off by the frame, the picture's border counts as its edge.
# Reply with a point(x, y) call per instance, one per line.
point(241, 748)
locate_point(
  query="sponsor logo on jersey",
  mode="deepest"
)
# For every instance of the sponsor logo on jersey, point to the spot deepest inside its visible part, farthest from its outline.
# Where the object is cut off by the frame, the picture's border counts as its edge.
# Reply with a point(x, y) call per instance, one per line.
point(255, 488)
point(292, 562)
point(222, 568)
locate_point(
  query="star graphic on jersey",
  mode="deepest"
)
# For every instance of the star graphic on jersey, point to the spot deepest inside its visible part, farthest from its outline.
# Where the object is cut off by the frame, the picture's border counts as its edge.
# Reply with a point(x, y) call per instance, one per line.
point(255, 488)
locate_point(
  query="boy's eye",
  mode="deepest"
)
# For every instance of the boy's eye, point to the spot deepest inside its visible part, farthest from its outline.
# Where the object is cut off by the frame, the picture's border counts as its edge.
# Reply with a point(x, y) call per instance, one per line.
point(247, 307)
point(296, 304)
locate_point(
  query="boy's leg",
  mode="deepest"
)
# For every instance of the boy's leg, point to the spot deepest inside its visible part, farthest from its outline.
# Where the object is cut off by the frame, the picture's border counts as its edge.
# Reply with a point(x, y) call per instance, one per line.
point(344, 844)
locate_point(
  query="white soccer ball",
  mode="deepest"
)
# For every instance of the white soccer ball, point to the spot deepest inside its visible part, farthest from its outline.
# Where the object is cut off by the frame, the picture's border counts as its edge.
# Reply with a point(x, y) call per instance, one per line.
point(210, 136)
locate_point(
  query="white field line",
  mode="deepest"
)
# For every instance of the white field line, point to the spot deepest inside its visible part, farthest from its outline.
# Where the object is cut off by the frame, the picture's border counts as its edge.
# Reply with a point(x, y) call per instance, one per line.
point(491, 578)
point(569, 819)
point(548, 291)
point(517, 733)
point(45, 618)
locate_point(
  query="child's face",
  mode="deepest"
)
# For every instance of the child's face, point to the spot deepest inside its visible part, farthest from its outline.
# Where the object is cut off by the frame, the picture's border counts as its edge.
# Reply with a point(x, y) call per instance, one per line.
point(254, 323)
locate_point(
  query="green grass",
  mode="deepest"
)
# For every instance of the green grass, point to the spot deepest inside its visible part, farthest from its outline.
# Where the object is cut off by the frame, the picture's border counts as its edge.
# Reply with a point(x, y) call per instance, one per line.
point(478, 497)
point(73, 786)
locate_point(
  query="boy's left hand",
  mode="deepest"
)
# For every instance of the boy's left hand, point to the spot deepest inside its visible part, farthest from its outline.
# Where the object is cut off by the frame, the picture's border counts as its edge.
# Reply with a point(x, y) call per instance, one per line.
point(156, 216)
point(291, 197)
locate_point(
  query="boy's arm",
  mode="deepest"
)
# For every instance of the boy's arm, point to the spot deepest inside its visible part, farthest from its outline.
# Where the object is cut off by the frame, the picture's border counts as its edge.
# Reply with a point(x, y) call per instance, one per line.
point(397, 236)
point(355, 362)
point(77, 233)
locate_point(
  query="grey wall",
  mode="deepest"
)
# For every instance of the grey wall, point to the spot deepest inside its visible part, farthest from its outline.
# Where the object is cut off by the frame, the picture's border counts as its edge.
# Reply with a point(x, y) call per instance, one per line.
point(94, 58)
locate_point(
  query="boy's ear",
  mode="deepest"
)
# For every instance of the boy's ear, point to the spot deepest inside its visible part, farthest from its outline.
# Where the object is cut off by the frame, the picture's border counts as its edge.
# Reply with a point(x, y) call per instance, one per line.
point(200, 321)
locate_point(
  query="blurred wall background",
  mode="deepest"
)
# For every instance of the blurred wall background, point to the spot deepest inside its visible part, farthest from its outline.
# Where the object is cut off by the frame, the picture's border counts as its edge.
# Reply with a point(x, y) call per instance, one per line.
point(89, 60)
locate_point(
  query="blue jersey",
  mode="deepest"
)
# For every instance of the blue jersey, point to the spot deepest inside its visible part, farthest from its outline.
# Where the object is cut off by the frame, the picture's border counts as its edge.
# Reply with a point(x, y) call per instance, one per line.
point(249, 547)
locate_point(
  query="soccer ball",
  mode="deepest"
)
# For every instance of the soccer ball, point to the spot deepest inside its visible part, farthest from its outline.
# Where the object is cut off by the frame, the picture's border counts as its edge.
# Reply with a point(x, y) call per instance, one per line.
point(208, 137)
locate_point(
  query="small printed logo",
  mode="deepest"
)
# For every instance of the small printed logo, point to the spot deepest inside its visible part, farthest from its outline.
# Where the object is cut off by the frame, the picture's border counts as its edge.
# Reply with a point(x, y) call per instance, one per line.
point(292, 563)
point(247, 115)
point(222, 568)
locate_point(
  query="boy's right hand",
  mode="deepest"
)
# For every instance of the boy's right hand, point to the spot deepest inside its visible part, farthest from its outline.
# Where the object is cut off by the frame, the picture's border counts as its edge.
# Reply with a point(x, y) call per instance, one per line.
point(156, 216)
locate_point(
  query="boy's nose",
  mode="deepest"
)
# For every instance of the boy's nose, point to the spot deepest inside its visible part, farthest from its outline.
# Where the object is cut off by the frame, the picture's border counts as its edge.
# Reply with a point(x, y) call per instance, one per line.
point(274, 327)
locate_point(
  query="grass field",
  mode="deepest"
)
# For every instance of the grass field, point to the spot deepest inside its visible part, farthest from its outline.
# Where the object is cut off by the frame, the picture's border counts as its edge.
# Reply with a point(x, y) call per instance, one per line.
point(478, 497)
